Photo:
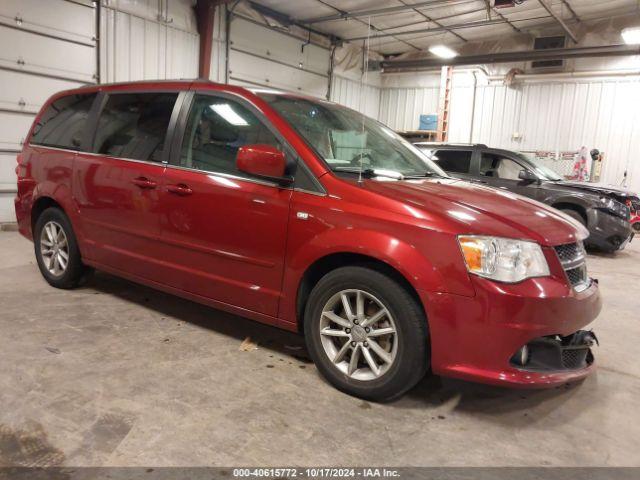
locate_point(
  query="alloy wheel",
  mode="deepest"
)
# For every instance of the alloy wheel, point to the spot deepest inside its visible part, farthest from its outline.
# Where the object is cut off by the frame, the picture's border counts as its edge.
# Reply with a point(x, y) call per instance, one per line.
point(358, 334)
point(54, 248)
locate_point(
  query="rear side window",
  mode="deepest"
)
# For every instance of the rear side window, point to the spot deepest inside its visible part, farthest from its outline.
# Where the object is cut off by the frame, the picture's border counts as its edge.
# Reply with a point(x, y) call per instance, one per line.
point(63, 123)
point(134, 125)
point(457, 161)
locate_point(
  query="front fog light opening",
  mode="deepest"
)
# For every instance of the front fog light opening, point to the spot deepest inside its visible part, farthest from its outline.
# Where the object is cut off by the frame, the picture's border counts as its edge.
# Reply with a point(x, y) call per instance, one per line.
point(522, 356)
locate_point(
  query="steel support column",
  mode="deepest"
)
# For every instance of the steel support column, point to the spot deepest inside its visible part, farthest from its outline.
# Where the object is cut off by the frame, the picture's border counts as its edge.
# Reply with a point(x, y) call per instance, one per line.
point(205, 16)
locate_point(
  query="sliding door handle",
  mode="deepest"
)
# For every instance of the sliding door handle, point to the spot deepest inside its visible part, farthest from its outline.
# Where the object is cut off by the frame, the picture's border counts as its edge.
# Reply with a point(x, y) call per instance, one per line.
point(180, 189)
point(144, 182)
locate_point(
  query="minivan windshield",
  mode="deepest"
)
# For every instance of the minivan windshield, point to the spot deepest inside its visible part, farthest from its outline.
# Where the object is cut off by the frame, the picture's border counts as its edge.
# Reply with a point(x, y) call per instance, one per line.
point(349, 141)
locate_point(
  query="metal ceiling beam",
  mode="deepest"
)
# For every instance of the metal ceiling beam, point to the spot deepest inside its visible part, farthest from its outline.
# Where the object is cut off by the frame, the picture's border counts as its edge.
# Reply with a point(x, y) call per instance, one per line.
point(369, 26)
point(413, 24)
point(571, 10)
point(493, 9)
point(374, 12)
point(434, 21)
point(516, 56)
point(286, 20)
point(564, 26)
point(480, 23)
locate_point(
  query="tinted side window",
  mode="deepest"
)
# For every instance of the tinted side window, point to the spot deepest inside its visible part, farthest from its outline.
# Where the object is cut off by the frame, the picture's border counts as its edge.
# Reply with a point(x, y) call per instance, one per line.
point(63, 123)
point(134, 125)
point(457, 161)
point(499, 167)
point(217, 127)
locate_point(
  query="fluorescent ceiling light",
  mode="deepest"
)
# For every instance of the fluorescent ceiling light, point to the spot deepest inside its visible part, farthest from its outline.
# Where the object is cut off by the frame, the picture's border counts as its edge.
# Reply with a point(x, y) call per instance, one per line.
point(226, 112)
point(631, 36)
point(443, 51)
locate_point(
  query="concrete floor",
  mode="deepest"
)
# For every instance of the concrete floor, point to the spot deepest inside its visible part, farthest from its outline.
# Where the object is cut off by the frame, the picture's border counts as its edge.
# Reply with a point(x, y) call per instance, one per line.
point(118, 374)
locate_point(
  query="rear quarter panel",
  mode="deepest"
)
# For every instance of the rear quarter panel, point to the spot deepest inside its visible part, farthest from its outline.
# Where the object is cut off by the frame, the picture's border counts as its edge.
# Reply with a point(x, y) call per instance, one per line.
point(44, 172)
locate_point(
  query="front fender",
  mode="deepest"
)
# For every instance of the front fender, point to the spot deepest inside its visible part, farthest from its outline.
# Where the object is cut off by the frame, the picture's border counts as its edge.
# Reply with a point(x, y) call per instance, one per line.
point(407, 257)
point(578, 199)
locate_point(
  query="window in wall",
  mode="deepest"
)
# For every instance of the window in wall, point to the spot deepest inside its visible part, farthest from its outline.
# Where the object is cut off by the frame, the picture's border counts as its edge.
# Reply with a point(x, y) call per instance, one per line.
point(499, 167)
point(134, 125)
point(63, 123)
point(456, 161)
point(217, 127)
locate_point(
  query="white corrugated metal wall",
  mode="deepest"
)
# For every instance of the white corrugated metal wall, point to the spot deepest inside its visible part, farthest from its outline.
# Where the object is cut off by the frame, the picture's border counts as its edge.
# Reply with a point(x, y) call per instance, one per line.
point(400, 108)
point(549, 115)
point(564, 116)
point(148, 40)
point(357, 95)
point(50, 46)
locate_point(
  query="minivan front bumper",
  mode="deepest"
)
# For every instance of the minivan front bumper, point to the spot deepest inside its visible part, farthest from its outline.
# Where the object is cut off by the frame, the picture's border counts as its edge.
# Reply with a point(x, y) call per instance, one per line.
point(475, 338)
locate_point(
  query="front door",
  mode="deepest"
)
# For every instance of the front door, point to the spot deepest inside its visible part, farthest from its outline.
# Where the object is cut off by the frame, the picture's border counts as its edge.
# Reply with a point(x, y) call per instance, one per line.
point(502, 172)
point(223, 232)
point(116, 185)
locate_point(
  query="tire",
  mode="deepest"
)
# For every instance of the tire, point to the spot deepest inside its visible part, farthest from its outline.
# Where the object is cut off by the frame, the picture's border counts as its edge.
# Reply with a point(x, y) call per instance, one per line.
point(61, 273)
point(575, 215)
point(636, 227)
point(407, 347)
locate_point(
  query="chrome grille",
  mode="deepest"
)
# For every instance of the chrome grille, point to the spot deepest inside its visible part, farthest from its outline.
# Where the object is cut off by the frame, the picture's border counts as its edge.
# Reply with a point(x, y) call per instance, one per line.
point(577, 276)
point(567, 252)
point(573, 259)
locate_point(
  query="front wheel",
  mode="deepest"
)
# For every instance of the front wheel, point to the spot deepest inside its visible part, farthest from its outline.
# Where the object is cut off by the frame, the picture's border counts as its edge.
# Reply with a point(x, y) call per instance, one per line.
point(575, 215)
point(366, 333)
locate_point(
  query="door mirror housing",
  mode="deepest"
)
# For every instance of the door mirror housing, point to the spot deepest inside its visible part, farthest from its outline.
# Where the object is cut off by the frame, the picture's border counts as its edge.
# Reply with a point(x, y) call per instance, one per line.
point(264, 161)
point(527, 176)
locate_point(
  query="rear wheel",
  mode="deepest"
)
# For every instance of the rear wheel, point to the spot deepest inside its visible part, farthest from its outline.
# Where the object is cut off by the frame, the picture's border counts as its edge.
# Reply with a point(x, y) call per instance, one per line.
point(636, 227)
point(57, 251)
point(366, 334)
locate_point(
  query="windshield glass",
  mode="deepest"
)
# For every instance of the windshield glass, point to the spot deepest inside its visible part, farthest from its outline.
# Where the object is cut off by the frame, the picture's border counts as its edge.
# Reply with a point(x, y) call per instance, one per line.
point(544, 172)
point(347, 140)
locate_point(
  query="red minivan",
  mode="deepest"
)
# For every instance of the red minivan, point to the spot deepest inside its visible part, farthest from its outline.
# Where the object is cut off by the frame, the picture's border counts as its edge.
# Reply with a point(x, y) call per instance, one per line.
point(306, 215)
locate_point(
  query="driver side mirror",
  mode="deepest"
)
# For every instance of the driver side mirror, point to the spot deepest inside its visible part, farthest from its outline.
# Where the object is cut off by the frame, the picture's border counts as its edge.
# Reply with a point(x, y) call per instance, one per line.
point(264, 161)
point(527, 176)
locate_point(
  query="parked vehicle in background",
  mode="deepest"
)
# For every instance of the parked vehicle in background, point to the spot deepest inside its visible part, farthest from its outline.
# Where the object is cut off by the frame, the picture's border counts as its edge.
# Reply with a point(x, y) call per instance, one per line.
point(634, 207)
point(308, 216)
point(602, 209)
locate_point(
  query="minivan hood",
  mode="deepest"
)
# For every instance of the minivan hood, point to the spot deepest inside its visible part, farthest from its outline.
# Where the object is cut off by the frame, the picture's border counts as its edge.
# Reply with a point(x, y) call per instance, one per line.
point(477, 209)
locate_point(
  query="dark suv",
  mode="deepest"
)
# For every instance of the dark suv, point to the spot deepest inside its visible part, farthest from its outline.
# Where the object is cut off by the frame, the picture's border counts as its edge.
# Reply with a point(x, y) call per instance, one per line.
point(602, 209)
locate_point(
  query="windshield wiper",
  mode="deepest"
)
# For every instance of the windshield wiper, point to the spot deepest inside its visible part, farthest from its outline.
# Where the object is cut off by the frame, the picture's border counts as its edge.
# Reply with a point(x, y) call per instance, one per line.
point(425, 175)
point(371, 172)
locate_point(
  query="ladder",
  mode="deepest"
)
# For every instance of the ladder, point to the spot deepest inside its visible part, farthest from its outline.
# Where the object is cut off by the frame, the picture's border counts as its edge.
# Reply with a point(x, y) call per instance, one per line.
point(446, 79)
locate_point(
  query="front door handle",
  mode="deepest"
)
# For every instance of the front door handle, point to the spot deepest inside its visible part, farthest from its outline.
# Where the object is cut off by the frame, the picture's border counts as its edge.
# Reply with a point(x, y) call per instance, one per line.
point(180, 189)
point(144, 182)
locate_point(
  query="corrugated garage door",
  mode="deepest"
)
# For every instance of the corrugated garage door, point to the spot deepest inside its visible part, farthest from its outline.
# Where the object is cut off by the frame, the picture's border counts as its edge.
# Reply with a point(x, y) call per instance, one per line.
point(49, 45)
point(259, 56)
point(44, 47)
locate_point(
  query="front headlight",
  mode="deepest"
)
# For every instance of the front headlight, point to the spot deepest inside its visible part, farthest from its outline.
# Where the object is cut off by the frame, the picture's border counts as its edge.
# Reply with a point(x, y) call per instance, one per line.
point(503, 259)
point(614, 207)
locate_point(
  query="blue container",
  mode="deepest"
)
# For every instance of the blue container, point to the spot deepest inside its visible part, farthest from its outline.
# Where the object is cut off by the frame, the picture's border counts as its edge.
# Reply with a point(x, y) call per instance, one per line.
point(428, 122)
